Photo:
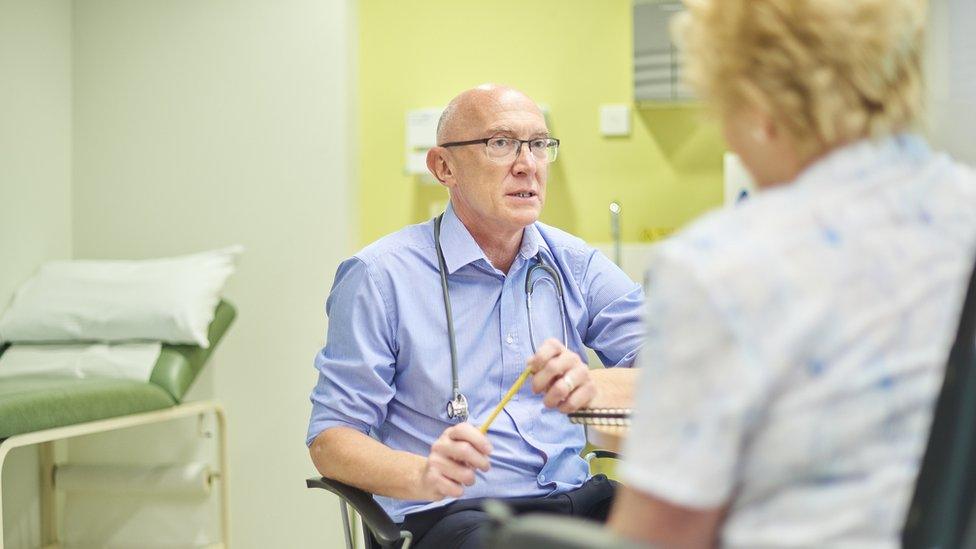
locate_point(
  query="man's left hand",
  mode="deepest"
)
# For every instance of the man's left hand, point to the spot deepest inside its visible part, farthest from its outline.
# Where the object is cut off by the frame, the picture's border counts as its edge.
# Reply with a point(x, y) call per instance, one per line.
point(562, 376)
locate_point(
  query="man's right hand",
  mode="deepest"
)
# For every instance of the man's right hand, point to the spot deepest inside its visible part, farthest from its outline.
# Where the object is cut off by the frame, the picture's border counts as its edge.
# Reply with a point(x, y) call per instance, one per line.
point(452, 462)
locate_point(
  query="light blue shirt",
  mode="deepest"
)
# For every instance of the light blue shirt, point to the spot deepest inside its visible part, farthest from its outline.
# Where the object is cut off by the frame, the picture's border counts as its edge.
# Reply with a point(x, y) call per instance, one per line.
point(386, 370)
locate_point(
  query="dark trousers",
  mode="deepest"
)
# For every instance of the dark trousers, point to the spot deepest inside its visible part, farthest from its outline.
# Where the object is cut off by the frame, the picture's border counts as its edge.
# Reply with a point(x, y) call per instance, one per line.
point(463, 524)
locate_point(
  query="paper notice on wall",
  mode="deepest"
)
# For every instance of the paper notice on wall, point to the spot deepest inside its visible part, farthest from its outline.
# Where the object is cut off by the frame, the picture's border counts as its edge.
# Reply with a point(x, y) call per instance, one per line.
point(422, 128)
point(421, 136)
point(417, 162)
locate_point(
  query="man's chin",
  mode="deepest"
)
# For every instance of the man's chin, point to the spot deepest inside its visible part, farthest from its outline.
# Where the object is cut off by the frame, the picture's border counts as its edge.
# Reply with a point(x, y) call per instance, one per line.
point(525, 215)
point(524, 219)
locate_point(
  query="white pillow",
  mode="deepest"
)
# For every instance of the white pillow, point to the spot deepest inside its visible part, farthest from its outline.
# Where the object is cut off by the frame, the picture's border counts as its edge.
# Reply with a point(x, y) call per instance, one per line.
point(171, 300)
point(82, 360)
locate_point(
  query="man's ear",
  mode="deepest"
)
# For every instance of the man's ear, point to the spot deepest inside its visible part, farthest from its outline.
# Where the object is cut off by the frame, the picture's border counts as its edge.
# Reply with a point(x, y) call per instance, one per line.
point(439, 166)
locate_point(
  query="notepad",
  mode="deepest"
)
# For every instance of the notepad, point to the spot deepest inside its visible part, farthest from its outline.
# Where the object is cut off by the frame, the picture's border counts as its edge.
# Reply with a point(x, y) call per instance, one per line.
point(613, 417)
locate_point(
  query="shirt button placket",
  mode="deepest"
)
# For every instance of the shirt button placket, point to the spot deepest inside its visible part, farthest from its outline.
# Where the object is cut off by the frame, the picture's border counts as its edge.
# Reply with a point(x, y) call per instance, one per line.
point(510, 350)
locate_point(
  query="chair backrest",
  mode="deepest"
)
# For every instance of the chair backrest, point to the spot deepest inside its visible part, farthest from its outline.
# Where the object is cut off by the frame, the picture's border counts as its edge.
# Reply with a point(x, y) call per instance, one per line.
point(942, 506)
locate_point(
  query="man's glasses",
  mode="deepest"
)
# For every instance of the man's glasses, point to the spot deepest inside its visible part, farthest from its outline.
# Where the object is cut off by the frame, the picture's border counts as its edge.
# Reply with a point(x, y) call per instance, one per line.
point(506, 149)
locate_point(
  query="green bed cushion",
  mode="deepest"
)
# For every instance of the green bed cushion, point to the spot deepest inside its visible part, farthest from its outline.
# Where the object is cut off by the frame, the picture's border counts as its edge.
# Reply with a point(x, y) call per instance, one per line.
point(179, 365)
point(33, 403)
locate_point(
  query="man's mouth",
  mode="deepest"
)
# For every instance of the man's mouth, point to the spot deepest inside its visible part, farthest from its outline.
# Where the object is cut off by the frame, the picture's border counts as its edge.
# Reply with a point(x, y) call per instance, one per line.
point(523, 194)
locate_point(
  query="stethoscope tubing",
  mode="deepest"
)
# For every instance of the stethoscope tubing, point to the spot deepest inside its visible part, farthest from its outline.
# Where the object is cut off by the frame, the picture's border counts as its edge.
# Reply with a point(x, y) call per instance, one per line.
point(455, 386)
point(457, 407)
point(557, 285)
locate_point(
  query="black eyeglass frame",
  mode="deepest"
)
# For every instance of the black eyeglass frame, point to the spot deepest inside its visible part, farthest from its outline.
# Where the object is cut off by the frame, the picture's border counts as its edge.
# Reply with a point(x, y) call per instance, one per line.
point(484, 141)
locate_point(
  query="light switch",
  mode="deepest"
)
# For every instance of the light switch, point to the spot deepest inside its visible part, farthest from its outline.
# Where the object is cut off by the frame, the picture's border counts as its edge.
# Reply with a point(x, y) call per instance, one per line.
point(615, 120)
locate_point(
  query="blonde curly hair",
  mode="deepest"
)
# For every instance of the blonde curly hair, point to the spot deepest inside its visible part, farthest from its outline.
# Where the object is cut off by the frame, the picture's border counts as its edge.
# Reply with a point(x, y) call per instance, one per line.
point(829, 71)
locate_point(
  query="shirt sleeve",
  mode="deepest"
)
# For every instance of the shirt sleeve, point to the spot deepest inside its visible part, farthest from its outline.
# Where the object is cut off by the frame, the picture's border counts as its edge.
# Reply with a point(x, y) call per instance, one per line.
point(698, 395)
point(357, 364)
point(615, 302)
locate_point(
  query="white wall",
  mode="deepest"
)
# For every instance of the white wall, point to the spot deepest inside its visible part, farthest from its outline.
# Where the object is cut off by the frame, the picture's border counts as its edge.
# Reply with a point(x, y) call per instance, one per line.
point(201, 123)
point(35, 137)
point(35, 191)
point(951, 76)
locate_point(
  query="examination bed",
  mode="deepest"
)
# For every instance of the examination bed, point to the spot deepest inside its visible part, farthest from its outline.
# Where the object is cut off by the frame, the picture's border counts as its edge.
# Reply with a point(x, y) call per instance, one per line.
point(40, 409)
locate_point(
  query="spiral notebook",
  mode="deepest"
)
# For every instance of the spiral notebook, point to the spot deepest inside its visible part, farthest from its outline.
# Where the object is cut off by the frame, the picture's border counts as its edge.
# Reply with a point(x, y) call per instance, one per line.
point(612, 417)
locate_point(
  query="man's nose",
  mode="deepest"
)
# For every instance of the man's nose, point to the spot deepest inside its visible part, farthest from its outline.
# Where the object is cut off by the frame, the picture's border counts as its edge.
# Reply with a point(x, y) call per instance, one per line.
point(525, 162)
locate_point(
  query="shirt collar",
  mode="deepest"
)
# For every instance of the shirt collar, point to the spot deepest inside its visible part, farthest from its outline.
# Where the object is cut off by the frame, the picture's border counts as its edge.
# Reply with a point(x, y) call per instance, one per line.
point(858, 160)
point(460, 248)
point(457, 244)
point(532, 242)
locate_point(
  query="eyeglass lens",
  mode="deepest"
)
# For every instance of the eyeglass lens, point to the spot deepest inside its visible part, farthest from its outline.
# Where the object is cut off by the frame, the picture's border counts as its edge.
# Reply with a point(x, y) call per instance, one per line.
point(506, 148)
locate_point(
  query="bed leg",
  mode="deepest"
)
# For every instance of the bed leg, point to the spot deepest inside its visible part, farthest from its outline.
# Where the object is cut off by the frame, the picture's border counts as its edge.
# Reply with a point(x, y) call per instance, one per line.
point(49, 503)
point(224, 476)
point(4, 450)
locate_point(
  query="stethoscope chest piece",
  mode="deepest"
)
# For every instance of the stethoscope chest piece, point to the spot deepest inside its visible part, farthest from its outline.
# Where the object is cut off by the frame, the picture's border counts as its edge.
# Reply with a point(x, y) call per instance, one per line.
point(457, 408)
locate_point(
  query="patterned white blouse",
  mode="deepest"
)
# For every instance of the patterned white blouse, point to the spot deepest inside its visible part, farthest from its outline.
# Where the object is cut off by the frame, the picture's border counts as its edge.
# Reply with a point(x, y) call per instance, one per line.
point(796, 344)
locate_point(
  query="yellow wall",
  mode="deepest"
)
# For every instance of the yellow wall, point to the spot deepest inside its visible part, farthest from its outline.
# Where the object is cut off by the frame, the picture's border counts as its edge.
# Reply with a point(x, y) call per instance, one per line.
point(571, 55)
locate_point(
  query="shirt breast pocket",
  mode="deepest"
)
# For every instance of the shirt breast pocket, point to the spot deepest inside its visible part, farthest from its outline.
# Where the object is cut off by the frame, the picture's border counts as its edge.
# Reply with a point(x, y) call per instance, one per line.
point(545, 314)
point(552, 427)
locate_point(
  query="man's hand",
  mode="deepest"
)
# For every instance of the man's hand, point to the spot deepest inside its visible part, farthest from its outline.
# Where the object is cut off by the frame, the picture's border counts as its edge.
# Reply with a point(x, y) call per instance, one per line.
point(452, 462)
point(562, 376)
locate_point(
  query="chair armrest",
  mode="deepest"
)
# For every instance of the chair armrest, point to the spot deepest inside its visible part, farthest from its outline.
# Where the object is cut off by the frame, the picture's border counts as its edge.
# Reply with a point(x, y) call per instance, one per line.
point(538, 531)
point(379, 523)
point(600, 454)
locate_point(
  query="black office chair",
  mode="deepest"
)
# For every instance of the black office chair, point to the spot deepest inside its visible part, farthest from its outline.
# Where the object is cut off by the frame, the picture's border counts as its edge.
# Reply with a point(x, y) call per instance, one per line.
point(942, 508)
point(378, 527)
point(379, 530)
point(538, 531)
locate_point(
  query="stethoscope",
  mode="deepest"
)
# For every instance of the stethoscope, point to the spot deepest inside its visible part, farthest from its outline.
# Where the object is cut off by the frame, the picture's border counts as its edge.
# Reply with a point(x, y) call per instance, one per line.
point(457, 407)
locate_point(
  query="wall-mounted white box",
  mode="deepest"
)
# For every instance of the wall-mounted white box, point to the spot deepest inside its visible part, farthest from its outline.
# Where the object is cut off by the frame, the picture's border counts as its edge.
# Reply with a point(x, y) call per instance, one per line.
point(615, 120)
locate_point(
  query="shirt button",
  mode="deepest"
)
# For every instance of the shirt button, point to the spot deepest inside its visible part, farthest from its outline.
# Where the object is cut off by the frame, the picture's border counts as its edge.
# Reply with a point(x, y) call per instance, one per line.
point(509, 339)
point(542, 477)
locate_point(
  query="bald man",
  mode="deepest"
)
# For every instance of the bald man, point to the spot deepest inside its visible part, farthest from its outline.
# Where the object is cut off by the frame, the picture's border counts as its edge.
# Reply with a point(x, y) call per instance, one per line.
point(380, 419)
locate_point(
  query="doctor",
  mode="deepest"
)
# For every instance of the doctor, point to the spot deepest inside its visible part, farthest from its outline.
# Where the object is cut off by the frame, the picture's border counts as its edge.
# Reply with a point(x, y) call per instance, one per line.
point(379, 416)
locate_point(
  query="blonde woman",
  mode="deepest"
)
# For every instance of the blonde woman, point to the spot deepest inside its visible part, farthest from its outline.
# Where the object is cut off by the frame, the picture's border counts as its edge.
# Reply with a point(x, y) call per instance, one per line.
point(796, 344)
